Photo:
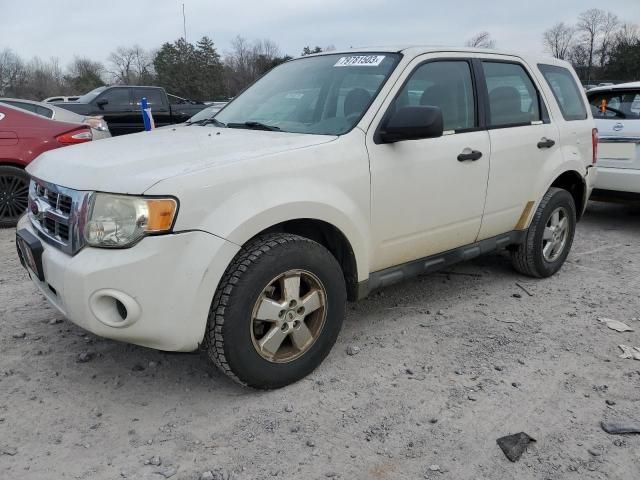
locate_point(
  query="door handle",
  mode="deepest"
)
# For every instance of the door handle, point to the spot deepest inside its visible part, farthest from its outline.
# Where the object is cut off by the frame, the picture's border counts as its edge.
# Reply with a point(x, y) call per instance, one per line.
point(468, 154)
point(546, 143)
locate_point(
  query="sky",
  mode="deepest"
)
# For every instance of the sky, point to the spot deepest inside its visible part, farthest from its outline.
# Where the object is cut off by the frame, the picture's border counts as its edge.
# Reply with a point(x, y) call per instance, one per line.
point(64, 28)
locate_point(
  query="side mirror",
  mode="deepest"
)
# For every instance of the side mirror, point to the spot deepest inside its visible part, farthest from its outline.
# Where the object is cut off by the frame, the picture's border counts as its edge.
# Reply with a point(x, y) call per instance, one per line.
point(102, 102)
point(412, 123)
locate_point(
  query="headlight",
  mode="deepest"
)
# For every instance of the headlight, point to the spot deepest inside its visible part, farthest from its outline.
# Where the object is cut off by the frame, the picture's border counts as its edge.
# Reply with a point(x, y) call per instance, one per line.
point(117, 221)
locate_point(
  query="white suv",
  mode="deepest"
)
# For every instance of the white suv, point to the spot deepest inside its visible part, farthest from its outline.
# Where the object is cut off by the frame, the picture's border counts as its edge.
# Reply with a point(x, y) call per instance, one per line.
point(330, 177)
point(617, 112)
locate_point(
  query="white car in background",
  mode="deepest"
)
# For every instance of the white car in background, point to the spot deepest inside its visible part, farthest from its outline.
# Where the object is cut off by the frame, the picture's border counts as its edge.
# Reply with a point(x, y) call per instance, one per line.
point(60, 99)
point(616, 110)
point(99, 127)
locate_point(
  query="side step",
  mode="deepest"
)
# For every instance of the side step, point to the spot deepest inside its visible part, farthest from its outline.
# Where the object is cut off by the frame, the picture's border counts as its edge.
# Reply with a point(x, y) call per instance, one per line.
point(399, 273)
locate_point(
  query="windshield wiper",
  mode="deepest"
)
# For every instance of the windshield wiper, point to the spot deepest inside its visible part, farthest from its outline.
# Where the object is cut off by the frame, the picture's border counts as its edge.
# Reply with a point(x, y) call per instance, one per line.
point(207, 121)
point(254, 126)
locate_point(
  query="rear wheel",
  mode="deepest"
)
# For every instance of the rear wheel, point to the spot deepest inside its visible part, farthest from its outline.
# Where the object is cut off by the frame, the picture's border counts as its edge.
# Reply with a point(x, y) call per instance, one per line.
point(277, 312)
point(549, 237)
point(14, 192)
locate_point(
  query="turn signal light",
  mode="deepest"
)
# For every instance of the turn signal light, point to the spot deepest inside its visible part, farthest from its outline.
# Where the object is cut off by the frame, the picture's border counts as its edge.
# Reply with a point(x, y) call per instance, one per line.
point(594, 144)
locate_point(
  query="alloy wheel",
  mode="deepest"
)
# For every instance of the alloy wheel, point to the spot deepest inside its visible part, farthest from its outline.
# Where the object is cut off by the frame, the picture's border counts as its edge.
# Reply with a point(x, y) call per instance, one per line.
point(288, 316)
point(14, 192)
point(556, 232)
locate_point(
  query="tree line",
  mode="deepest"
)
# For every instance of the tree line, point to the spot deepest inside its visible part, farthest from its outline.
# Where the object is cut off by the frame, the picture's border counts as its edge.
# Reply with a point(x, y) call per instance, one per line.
point(599, 46)
point(191, 70)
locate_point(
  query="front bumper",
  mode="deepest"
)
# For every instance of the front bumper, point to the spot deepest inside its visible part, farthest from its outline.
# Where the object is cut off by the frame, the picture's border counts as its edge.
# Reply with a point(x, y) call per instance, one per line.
point(165, 284)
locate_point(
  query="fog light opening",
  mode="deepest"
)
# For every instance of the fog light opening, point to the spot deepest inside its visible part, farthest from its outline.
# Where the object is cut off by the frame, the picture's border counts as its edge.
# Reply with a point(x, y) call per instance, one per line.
point(114, 308)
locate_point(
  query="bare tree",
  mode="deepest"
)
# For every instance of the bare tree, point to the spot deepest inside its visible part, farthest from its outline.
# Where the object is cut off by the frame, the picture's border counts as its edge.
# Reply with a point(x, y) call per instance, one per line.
point(12, 72)
point(131, 66)
point(610, 26)
point(590, 24)
point(481, 40)
point(628, 34)
point(558, 40)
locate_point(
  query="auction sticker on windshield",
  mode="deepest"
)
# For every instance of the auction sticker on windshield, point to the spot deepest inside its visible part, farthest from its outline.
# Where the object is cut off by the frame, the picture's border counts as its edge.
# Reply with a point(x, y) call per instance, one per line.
point(360, 61)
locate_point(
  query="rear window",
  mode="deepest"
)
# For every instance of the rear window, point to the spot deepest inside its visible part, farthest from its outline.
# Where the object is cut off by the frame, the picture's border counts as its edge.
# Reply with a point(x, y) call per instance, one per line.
point(616, 105)
point(566, 91)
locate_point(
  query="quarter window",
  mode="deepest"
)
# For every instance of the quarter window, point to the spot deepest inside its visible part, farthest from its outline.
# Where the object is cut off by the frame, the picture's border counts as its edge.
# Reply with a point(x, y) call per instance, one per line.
point(566, 92)
point(513, 98)
point(446, 85)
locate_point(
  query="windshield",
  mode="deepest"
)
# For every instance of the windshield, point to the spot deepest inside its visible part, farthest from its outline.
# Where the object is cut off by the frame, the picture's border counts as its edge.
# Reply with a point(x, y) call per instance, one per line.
point(323, 95)
point(87, 97)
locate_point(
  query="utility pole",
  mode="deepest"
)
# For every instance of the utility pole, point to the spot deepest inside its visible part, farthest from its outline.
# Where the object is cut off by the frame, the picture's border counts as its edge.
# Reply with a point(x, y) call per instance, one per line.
point(184, 23)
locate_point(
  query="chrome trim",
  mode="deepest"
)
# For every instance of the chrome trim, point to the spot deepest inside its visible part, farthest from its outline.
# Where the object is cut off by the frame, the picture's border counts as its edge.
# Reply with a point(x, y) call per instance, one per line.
point(619, 140)
point(49, 207)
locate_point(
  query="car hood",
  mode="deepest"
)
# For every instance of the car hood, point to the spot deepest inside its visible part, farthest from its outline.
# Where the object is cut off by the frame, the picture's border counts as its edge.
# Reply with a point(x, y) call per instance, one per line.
point(133, 163)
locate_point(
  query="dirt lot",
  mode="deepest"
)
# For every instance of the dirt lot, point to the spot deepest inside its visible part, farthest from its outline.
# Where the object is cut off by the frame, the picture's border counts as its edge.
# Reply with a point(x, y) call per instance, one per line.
point(447, 364)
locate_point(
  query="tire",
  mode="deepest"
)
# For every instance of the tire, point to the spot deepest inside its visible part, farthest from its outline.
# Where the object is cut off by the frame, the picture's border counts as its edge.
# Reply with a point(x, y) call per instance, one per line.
point(14, 192)
point(530, 258)
point(257, 285)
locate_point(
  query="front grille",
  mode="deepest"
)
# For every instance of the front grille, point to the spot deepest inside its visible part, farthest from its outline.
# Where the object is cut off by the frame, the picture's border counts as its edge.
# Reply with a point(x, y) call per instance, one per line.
point(57, 214)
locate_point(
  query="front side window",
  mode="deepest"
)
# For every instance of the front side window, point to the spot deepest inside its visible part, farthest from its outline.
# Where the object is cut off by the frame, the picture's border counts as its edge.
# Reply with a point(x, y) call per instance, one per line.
point(118, 99)
point(513, 98)
point(614, 105)
point(566, 91)
point(444, 84)
point(323, 95)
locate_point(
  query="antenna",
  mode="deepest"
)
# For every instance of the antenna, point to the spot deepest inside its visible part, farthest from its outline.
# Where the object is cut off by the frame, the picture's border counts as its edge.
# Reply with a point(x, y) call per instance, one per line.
point(184, 23)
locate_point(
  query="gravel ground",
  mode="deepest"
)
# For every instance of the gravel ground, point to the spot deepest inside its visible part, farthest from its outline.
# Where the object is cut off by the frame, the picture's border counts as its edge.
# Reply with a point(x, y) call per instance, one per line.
point(447, 363)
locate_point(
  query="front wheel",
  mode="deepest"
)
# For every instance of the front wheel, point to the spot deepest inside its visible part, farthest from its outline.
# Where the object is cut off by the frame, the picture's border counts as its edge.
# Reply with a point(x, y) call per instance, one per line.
point(549, 237)
point(277, 311)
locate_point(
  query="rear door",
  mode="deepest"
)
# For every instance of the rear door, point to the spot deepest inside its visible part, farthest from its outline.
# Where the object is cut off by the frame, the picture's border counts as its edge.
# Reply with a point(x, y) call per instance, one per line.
point(617, 114)
point(157, 101)
point(524, 143)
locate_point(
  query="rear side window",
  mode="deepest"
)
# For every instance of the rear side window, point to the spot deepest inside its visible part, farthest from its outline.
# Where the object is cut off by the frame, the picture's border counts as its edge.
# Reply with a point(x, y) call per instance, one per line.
point(566, 91)
point(153, 96)
point(513, 98)
point(616, 105)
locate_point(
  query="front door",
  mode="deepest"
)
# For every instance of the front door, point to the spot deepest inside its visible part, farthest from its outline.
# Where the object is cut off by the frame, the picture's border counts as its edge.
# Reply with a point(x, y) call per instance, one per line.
point(427, 196)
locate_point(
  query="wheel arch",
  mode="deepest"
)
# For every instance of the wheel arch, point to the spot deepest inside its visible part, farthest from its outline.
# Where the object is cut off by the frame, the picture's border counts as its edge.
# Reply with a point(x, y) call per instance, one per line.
point(330, 237)
point(12, 163)
point(574, 183)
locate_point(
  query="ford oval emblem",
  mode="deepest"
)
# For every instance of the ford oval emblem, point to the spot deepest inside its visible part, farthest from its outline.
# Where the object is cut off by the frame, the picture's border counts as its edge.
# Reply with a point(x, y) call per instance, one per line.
point(617, 127)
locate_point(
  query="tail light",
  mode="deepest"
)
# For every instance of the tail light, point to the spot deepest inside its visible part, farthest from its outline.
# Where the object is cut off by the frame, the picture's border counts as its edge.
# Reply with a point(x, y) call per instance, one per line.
point(594, 145)
point(75, 136)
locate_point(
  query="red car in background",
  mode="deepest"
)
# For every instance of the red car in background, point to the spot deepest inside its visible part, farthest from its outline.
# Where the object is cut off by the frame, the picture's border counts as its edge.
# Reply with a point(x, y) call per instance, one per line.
point(24, 136)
